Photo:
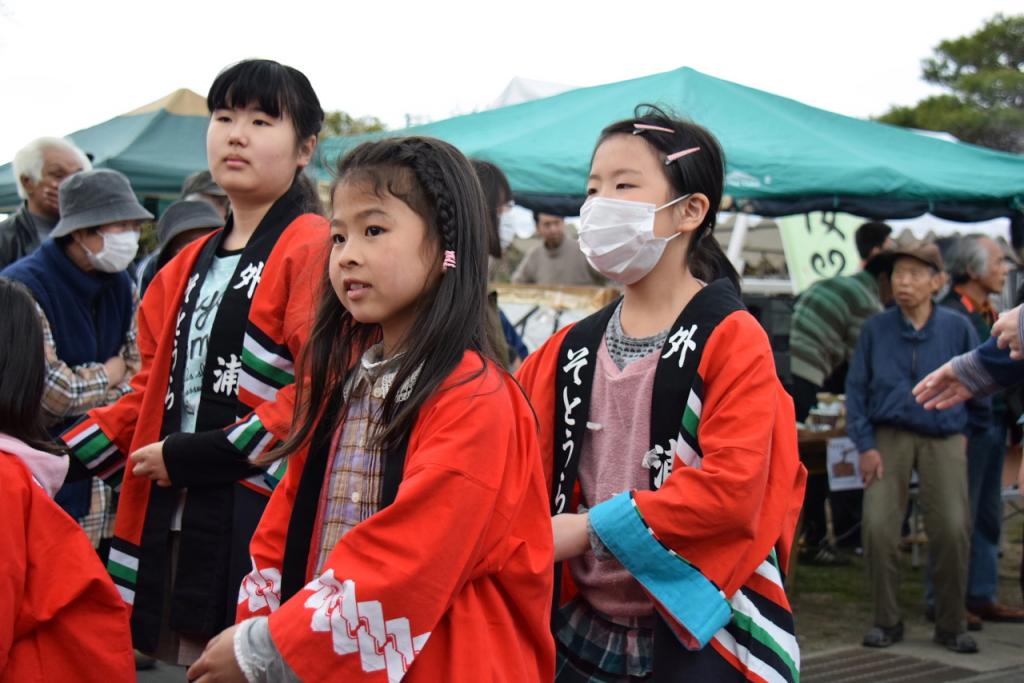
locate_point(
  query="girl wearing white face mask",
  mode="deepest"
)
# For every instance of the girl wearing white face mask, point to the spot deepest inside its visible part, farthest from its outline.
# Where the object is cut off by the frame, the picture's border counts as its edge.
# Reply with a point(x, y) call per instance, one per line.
point(86, 306)
point(674, 473)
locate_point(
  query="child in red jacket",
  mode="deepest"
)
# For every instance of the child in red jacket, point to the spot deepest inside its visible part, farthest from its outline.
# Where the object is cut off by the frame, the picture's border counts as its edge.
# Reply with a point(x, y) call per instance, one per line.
point(53, 588)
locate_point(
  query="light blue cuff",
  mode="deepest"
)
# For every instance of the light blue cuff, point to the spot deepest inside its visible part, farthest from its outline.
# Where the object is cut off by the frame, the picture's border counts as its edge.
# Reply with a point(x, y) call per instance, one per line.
point(681, 592)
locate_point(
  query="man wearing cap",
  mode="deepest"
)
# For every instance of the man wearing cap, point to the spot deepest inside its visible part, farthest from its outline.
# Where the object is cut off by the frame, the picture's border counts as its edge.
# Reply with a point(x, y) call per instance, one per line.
point(826, 322)
point(39, 169)
point(182, 222)
point(85, 299)
point(895, 436)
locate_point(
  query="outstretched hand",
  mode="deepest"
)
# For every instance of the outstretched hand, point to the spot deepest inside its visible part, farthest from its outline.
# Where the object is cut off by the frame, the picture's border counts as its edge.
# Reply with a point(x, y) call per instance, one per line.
point(148, 462)
point(1006, 331)
point(941, 389)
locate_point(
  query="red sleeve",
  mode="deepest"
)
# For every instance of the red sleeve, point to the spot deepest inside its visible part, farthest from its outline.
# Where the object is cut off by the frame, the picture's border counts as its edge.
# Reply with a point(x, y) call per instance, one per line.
point(726, 516)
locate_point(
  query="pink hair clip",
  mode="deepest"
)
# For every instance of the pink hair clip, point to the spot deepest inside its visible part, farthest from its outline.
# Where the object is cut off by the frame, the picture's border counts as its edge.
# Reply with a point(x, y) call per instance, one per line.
point(641, 127)
point(680, 154)
point(449, 260)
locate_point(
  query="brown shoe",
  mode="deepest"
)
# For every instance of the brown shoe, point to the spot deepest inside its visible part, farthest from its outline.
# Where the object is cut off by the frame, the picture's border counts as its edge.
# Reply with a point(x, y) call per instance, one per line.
point(995, 611)
point(974, 622)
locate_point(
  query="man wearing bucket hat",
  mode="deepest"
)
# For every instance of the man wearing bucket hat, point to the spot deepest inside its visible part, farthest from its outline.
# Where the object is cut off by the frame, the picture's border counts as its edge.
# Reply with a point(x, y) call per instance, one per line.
point(895, 436)
point(182, 222)
point(201, 186)
point(85, 300)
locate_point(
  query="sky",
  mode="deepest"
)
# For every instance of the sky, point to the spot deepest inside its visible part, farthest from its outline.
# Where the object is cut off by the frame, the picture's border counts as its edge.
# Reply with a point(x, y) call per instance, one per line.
point(67, 65)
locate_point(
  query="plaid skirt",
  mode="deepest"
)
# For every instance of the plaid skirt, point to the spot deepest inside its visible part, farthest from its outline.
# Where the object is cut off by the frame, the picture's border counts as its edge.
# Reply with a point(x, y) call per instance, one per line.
point(593, 649)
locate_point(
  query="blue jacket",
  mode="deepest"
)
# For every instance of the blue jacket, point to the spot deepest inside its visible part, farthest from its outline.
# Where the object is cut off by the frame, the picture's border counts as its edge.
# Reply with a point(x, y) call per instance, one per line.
point(891, 357)
point(89, 313)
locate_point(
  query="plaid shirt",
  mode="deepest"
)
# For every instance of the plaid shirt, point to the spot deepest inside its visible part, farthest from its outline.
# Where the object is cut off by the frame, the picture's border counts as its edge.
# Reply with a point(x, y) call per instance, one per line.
point(353, 490)
point(71, 391)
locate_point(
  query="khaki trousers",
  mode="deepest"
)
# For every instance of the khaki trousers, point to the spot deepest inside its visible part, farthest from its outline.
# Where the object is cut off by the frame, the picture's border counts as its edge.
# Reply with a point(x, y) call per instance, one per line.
point(941, 465)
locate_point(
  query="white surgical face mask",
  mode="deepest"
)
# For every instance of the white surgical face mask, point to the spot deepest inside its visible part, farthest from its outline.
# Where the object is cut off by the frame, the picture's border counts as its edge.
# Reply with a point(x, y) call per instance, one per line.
point(617, 237)
point(119, 249)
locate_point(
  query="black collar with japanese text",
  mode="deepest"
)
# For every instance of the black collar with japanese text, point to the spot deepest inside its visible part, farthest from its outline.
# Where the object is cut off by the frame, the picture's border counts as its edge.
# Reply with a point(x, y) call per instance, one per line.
point(218, 402)
point(674, 380)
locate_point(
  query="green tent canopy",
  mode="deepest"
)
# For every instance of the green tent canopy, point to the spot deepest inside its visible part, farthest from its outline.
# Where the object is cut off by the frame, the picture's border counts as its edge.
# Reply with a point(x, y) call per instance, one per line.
point(157, 146)
point(783, 156)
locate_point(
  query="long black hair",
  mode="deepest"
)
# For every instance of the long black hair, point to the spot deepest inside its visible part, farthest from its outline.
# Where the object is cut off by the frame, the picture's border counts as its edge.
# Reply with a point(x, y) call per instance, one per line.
point(274, 88)
point(703, 172)
point(437, 182)
point(22, 368)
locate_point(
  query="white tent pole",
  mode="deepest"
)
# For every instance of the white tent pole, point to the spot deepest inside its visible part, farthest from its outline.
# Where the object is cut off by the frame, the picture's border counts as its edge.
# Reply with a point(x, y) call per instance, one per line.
point(737, 239)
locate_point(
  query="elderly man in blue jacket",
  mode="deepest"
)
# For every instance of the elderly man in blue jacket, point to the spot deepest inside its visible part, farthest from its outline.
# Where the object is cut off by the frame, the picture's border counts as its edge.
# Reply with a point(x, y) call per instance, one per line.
point(895, 436)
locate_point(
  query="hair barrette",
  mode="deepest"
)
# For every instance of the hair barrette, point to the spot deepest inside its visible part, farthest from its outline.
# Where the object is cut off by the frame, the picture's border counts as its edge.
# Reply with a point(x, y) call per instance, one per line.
point(641, 127)
point(680, 154)
point(449, 260)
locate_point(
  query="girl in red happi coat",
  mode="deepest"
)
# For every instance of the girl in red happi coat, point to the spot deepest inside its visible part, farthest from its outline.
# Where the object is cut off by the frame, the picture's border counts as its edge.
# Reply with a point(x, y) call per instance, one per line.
point(410, 538)
point(669, 441)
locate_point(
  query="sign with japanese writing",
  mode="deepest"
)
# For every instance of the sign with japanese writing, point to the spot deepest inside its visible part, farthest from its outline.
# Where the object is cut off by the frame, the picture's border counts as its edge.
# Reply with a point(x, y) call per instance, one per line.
point(819, 245)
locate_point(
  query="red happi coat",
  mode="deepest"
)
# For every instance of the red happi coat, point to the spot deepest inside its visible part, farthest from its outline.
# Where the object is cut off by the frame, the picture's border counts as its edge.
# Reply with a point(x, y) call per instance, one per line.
point(61, 618)
point(452, 581)
point(731, 519)
point(278, 324)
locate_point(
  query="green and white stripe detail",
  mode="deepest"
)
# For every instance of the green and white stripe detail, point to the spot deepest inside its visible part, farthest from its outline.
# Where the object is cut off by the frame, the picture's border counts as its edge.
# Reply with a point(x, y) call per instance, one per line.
point(91, 446)
point(251, 437)
point(264, 369)
point(747, 617)
point(686, 444)
point(762, 669)
point(124, 569)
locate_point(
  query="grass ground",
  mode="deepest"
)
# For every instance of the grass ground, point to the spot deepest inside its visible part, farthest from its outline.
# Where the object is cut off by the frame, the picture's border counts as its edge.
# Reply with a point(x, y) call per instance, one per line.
point(833, 609)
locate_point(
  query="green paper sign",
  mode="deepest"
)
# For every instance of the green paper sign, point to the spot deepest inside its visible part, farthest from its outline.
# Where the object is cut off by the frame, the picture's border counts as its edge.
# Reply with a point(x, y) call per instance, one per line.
point(819, 245)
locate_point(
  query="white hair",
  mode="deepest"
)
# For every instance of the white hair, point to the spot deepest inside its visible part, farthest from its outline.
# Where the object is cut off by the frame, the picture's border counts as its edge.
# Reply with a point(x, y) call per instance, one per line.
point(29, 159)
point(968, 259)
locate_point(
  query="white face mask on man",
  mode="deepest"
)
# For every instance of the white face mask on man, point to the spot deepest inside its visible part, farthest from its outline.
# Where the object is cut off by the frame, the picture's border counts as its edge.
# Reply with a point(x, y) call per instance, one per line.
point(119, 249)
point(617, 237)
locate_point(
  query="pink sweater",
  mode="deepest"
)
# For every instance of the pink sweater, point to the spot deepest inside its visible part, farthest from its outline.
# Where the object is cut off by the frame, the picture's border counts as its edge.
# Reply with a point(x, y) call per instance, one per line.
point(618, 435)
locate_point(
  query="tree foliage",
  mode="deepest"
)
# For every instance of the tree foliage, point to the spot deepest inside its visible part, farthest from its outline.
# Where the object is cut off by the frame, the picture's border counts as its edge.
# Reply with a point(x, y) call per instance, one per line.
point(984, 72)
point(338, 123)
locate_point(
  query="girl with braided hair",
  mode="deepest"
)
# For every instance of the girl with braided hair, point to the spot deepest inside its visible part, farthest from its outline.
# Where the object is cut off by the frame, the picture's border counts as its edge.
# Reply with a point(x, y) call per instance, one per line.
point(669, 441)
point(410, 537)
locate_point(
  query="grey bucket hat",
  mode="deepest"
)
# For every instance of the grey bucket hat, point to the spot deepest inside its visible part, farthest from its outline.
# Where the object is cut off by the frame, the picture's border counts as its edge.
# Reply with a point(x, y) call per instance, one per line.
point(201, 182)
point(92, 198)
point(187, 214)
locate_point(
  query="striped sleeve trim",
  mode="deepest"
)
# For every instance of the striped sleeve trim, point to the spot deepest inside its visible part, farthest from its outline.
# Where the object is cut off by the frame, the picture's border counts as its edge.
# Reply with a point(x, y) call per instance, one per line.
point(266, 365)
point(251, 438)
point(93, 448)
point(688, 445)
point(123, 567)
point(696, 607)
